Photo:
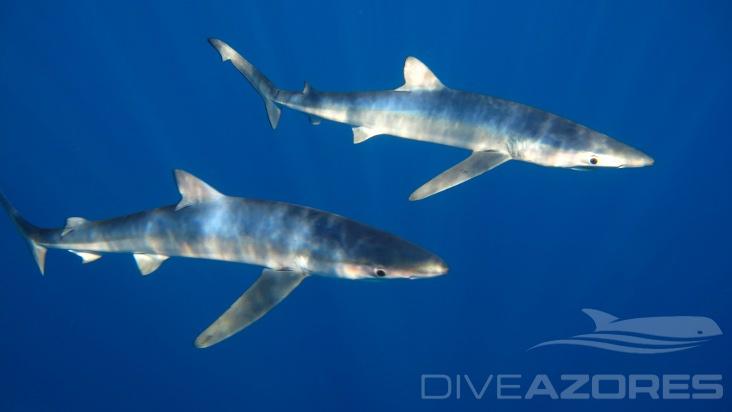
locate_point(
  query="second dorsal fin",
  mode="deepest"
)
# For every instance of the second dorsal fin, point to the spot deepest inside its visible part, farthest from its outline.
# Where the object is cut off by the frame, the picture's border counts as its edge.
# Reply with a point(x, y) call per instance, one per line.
point(73, 223)
point(193, 190)
point(417, 76)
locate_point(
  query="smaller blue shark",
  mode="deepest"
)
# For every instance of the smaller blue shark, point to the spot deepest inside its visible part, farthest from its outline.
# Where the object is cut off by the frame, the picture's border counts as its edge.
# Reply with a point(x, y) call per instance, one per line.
point(648, 335)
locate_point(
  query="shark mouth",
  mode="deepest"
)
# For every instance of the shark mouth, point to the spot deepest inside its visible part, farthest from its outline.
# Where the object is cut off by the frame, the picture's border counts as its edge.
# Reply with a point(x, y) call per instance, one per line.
point(626, 343)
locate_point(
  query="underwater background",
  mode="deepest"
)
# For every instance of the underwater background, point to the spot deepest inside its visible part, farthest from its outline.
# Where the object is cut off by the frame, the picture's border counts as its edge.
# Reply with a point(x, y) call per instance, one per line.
point(99, 101)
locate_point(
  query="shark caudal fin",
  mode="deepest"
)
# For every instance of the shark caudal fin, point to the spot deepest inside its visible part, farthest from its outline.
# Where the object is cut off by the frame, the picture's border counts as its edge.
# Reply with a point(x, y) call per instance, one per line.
point(264, 87)
point(27, 230)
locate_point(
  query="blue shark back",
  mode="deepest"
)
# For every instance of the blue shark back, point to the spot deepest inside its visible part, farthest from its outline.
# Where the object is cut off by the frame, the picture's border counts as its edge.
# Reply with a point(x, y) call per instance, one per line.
point(446, 116)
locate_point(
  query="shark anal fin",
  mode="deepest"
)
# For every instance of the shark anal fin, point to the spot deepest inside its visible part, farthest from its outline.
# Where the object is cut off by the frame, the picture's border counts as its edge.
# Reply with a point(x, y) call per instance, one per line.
point(417, 76)
point(266, 292)
point(149, 263)
point(600, 318)
point(73, 223)
point(362, 134)
point(86, 257)
point(475, 165)
point(193, 190)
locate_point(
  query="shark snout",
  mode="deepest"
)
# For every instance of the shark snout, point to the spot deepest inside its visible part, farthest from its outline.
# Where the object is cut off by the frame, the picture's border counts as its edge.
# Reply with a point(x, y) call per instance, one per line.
point(646, 160)
point(431, 268)
point(438, 267)
point(638, 159)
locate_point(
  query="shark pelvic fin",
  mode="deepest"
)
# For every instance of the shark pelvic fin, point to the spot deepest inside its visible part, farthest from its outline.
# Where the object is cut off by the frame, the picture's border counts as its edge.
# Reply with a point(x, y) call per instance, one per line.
point(362, 134)
point(148, 263)
point(600, 318)
point(475, 165)
point(315, 120)
point(193, 190)
point(417, 76)
point(86, 257)
point(73, 223)
point(270, 289)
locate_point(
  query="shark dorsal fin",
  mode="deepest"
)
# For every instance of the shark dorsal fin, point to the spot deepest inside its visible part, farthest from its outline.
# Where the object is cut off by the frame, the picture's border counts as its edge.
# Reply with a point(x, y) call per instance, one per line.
point(193, 190)
point(600, 318)
point(417, 76)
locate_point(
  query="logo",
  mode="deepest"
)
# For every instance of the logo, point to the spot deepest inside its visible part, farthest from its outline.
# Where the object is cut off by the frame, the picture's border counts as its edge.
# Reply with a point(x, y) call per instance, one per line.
point(441, 386)
point(650, 335)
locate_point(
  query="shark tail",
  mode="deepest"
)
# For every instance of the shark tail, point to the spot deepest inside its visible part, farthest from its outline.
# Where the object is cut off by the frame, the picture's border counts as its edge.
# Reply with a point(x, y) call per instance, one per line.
point(27, 230)
point(259, 81)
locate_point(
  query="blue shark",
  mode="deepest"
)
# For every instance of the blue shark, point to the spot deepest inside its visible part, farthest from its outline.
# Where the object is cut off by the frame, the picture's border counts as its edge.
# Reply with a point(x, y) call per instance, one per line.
point(424, 109)
point(291, 242)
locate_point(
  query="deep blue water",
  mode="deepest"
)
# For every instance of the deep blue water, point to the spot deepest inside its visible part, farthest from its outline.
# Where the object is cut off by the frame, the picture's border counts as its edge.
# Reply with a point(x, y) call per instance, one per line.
point(99, 102)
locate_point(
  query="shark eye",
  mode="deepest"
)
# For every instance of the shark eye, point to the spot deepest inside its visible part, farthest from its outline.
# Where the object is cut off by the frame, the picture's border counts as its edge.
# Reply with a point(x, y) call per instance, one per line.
point(380, 273)
point(593, 160)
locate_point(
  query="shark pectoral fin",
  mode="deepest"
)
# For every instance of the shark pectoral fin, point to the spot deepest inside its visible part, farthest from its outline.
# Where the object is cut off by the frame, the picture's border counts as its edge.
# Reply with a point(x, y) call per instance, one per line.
point(600, 318)
point(73, 223)
point(362, 134)
point(149, 263)
point(266, 292)
point(86, 257)
point(193, 190)
point(475, 165)
point(417, 76)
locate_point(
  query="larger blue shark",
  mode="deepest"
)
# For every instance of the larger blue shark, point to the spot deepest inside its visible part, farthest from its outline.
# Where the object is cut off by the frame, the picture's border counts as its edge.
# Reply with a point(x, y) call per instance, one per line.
point(424, 109)
point(289, 241)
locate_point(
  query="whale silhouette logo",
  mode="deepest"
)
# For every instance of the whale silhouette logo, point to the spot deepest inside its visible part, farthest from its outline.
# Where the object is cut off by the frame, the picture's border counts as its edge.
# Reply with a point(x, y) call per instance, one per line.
point(662, 334)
